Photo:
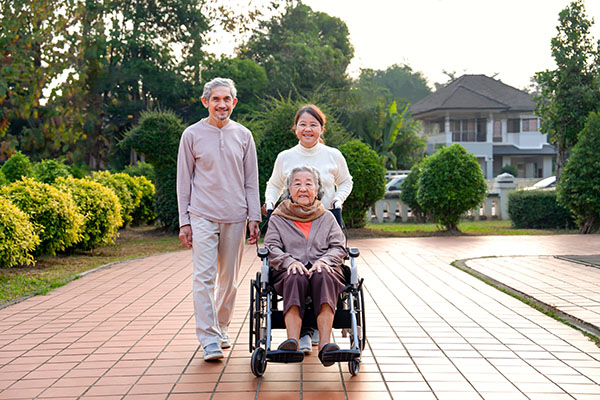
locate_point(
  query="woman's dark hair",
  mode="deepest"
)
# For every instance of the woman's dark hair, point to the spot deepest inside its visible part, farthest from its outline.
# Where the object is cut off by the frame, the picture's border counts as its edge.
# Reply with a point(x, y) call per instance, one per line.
point(312, 110)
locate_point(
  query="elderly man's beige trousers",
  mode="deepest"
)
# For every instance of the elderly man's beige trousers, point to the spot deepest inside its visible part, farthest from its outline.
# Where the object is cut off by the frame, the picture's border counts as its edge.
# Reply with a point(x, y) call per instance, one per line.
point(217, 254)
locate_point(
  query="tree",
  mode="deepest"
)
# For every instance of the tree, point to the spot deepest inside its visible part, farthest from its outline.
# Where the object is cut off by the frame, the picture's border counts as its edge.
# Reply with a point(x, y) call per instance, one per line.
point(410, 187)
point(579, 190)
point(33, 54)
point(157, 136)
point(301, 51)
point(401, 83)
point(450, 184)
point(249, 77)
point(570, 92)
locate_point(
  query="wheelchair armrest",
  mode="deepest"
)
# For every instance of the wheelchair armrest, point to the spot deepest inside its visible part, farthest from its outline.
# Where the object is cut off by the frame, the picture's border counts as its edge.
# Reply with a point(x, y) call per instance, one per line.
point(262, 252)
point(354, 252)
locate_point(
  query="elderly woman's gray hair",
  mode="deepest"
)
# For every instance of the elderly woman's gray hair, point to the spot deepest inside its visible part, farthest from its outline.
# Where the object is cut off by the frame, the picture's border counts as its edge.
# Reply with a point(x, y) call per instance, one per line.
point(316, 176)
point(208, 86)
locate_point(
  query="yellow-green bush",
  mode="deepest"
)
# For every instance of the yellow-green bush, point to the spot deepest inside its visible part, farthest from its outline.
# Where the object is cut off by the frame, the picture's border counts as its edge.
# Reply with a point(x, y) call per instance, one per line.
point(17, 236)
point(121, 189)
point(53, 213)
point(144, 212)
point(100, 208)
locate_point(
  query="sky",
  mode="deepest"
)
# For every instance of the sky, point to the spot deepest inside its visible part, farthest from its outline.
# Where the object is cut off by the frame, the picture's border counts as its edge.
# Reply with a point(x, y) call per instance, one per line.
point(510, 38)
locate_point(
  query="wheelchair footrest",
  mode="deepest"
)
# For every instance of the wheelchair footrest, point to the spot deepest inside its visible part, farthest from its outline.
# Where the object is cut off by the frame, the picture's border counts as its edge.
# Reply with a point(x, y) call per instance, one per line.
point(285, 356)
point(341, 355)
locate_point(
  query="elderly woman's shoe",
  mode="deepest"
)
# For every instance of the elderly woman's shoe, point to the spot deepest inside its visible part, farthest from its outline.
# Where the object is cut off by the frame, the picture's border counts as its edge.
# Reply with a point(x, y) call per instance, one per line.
point(327, 348)
point(288, 345)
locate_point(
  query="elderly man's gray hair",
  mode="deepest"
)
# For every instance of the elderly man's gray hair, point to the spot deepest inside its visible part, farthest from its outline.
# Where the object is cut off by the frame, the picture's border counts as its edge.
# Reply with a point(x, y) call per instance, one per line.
point(208, 86)
point(316, 176)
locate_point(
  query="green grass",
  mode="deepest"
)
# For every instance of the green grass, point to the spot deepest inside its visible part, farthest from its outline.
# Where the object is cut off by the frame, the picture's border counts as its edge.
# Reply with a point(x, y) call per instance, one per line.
point(54, 271)
point(484, 227)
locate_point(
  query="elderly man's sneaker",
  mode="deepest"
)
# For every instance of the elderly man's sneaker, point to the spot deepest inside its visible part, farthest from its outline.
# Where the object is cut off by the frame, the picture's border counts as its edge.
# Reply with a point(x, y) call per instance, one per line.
point(225, 343)
point(212, 352)
point(305, 344)
point(315, 338)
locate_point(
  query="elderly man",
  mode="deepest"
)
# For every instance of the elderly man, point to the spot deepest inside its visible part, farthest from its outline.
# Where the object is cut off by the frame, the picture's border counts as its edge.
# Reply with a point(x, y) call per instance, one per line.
point(217, 192)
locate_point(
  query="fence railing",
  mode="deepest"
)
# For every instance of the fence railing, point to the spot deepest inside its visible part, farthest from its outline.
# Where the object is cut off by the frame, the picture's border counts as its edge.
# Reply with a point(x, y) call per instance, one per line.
point(495, 205)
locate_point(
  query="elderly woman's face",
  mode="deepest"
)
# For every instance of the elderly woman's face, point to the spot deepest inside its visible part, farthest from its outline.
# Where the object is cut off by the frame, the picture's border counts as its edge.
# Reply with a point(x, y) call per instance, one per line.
point(303, 188)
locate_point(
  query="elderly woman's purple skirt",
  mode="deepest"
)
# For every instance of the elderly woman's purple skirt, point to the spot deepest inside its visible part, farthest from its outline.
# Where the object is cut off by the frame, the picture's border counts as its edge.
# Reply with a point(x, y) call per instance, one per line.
point(323, 288)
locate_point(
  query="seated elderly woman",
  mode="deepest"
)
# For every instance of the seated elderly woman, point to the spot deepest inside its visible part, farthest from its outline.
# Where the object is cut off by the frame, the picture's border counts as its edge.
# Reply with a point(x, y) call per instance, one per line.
point(306, 249)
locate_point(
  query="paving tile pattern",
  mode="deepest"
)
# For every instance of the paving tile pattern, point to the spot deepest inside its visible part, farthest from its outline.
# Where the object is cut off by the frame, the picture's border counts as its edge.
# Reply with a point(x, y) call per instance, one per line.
point(434, 332)
point(567, 286)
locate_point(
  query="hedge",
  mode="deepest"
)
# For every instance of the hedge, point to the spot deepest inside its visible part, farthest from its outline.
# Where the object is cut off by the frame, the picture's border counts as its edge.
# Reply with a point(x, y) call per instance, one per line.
point(121, 189)
point(48, 170)
point(144, 212)
point(53, 213)
point(368, 175)
point(17, 236)
point(100, 208)
point(17, 166)
point(538, 209)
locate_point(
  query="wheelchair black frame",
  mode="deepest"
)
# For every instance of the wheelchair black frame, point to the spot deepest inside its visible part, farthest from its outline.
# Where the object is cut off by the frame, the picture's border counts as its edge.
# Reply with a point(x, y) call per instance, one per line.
point(349, 315)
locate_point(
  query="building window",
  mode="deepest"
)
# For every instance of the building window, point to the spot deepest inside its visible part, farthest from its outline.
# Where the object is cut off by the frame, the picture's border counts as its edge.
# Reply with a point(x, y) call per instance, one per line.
point(469, 130)
point(497, 131)
point(513, 125)
point(530, 124)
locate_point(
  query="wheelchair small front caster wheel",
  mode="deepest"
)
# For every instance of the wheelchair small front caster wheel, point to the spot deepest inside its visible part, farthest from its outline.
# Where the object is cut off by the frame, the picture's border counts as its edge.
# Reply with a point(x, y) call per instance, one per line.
point(258, 363)
point(354, 367)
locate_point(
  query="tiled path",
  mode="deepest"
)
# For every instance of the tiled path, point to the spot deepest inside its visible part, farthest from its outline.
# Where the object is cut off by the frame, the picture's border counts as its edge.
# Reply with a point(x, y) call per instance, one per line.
point(434, 332)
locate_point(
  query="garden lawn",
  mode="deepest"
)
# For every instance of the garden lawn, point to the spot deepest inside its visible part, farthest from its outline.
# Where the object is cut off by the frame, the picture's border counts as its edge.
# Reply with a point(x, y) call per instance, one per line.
point(54, 271)
point(481, 227)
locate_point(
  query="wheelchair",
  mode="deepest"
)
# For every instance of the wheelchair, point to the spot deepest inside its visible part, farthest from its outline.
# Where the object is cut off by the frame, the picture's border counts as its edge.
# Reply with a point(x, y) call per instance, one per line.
point(265, 316)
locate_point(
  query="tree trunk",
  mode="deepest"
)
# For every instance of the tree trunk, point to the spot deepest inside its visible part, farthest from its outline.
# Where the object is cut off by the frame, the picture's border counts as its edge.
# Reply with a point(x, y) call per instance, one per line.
point(589, 225)
point(561, 150)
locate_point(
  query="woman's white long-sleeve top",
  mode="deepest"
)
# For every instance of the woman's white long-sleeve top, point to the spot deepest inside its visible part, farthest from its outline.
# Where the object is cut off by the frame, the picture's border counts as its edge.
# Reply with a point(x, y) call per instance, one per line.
point(328, 160)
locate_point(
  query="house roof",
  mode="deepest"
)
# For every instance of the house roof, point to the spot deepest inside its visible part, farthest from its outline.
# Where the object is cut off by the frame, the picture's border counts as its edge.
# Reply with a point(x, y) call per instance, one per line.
point(512, 150)
point(475, 92)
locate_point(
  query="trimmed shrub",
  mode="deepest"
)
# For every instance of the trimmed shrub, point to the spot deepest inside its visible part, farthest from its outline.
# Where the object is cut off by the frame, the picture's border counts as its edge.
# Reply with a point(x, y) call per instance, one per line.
point(450, 184)
point(144, 212)
point(53, 213)
point(3, 180)
point(368, 173)
point(511, 169)
point(157, 136)
point(121, 189)
point(409, 187)
point(538, 209)
point(579, 186)
point(141, 169)
point(100, 208)
point(17, 236)
point(48, 170)
point(79, 171)
point(16, 166)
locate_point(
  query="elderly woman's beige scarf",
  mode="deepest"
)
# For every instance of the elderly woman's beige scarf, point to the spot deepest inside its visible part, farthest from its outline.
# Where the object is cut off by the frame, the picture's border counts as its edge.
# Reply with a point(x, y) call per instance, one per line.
point(298, 212)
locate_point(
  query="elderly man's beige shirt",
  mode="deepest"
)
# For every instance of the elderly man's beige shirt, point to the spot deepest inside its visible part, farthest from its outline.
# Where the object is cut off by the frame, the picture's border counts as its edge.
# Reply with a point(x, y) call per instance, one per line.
point(217, 174)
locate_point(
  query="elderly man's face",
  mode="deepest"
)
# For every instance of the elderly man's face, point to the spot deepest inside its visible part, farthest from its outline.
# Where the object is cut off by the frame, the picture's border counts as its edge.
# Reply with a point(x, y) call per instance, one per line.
point(220, 103)
point(303, 188)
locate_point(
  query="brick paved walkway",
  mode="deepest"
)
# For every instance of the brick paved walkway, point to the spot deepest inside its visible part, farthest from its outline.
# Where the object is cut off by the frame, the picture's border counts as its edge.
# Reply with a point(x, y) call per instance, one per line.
point(434, 332)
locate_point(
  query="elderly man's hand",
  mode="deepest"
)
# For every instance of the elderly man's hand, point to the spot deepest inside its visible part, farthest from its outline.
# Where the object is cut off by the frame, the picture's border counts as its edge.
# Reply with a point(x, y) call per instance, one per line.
point(185, 235)
point(254, 232)
point(319, 266)
point(297, 268)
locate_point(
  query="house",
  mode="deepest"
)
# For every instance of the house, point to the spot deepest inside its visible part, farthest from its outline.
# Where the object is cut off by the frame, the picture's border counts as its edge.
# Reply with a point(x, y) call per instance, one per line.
point(490, 119)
